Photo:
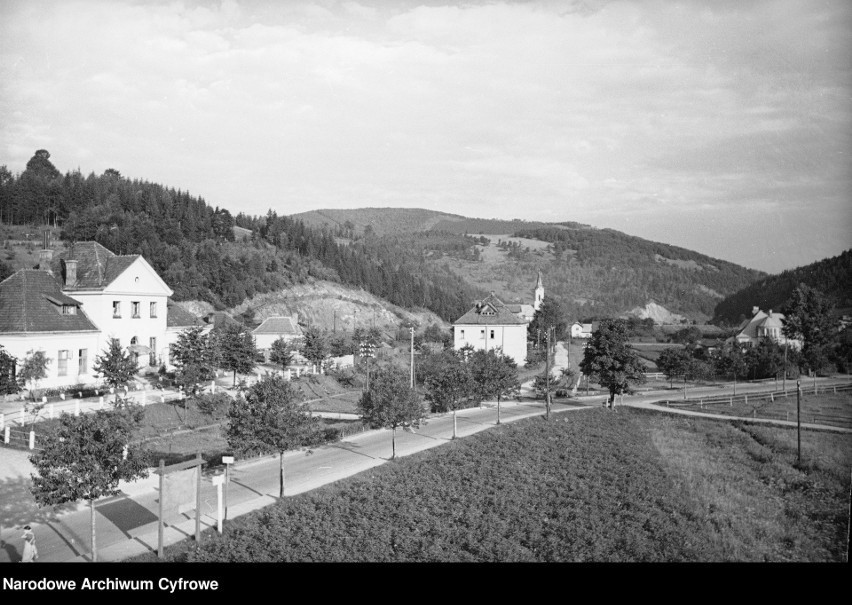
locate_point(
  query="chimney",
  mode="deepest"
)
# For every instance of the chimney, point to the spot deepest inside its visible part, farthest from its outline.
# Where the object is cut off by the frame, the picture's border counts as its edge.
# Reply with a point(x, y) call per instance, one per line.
point(754, 310)
point(70, 273)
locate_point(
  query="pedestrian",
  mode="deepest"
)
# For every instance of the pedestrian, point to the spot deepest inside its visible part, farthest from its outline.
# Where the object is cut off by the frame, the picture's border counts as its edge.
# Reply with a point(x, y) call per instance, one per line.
point(30, 550)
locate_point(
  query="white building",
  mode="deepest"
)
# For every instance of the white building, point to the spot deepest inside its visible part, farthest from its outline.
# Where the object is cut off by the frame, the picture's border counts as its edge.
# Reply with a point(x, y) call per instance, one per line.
point(274, 328)
point(762, 326)
point(74, 304)
point(579, 330)
point(36, 316)
point(493, 324)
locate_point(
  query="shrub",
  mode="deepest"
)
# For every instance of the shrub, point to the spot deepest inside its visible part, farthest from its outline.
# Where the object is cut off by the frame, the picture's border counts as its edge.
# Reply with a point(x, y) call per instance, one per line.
point(213, 404)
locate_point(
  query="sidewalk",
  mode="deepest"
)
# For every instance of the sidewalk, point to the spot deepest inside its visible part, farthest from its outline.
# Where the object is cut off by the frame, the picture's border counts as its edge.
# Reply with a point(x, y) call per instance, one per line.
point(127, 524)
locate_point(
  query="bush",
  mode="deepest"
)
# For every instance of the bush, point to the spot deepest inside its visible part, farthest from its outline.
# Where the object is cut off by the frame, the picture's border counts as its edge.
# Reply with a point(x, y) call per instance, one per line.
point(213, 404)
point(345, 376)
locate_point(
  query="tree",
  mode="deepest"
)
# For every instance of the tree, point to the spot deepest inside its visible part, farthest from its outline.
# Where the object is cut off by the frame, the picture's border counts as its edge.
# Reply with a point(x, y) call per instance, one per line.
point(117, 366)
point(549, 314)
point(390, 403)
point(765, 359)
point(237, 351)
point(494, 375)
point(807, 316)
point(8, 381)
point(195, 356)
point(730, 362)
point(449, 387)
point(610, 358)
point(315, 346)
point(281, 352)
point(673, 362)
point(33, 369)
point(83, 458)
point(688, 336)
point(270, 418)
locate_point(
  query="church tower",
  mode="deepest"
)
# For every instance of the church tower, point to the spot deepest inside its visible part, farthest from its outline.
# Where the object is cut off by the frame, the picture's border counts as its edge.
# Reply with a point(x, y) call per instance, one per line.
point(539, 292)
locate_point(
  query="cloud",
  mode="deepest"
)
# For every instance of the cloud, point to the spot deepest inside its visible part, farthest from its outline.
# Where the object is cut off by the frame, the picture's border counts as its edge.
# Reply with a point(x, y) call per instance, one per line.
point(665, 114)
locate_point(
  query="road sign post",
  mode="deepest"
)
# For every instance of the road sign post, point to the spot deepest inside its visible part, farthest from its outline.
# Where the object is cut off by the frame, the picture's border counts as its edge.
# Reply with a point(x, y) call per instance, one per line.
point(218, 480)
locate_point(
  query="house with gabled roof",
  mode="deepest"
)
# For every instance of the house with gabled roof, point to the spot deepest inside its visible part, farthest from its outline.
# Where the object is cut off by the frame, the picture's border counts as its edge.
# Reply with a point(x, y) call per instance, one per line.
point(274, 328)
point(36, 315)
point(763, 326)
point(579, 330)
point(492, 324)
point(74, 304)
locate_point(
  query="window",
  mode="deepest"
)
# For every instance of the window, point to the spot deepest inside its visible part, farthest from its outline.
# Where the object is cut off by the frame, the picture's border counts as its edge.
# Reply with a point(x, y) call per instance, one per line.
point(492, 334)
point(153, 309)
point(134, 309)
point(116, 309)
point(462, 334)
point(152, 344)
point(63, 363)
point(482, 334)
point(83, 362)
point(69, 310)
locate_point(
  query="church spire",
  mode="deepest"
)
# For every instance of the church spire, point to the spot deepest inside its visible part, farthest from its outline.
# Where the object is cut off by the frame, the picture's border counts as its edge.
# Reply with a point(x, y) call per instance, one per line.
point(539, 292)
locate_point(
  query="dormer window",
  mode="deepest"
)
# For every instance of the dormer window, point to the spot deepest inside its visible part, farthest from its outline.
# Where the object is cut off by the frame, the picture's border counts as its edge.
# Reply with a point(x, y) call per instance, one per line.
point(487, 310)
point(69, 309)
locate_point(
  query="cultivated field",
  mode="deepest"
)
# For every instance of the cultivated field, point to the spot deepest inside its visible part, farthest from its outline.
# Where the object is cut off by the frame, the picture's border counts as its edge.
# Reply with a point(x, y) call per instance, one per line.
point(598, 485)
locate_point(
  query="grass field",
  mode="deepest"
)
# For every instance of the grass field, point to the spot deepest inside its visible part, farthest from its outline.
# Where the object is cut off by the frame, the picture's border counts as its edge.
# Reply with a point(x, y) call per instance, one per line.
point(600, 485)
point(827, 408)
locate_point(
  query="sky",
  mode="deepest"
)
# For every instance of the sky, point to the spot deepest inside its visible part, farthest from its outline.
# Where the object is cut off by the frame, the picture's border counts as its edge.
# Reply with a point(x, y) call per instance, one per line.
point(723, 127)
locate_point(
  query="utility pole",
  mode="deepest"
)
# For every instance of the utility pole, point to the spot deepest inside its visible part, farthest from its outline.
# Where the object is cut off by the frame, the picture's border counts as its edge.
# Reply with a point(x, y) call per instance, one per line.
point(799, 418)
point(547, 376)
point(411, 329)
point(784, 383)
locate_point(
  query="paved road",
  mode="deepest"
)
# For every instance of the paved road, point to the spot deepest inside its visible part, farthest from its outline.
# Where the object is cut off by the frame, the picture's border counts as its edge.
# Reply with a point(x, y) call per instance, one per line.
point(127, 524)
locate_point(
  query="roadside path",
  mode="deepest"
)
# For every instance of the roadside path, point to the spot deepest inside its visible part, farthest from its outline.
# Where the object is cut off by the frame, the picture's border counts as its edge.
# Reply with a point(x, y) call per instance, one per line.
point(127, 524)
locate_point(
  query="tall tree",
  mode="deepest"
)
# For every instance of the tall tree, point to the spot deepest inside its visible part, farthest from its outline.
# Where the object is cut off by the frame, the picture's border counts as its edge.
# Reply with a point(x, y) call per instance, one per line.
point(237, 349)
point(494, 376)
point(281, 352)
point(610, 358)
point(673, 362)
point(83, 458)
point(271, 418)
point(807, 316)
point(549, 314)
point(117, 366)
point(450, 387)
point(390, 403)
point(195, 355)
point(315, 346)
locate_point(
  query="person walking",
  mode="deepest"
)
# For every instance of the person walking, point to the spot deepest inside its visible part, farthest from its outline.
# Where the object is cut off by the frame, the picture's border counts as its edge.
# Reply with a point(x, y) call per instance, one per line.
point(30, 550)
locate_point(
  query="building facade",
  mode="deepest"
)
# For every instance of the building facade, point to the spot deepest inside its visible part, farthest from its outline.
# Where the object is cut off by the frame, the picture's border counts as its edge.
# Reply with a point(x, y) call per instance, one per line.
point(492, 324)
point(73, 305)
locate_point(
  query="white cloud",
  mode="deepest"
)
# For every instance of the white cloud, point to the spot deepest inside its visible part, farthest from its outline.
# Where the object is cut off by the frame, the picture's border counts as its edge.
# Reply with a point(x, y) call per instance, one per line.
point(666, 114)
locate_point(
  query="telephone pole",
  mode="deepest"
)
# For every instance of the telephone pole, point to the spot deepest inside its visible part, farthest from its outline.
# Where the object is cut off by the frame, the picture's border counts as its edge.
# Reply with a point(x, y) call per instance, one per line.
point(411, 329)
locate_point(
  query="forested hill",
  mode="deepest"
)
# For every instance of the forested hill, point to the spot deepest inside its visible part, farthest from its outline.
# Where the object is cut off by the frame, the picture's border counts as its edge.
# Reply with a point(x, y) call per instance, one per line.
point(594, 272)
point(192, 245)
point(832, 276)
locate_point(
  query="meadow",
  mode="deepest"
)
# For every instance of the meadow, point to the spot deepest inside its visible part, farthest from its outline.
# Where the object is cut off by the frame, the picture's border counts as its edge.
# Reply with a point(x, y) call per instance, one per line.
point(599, 485)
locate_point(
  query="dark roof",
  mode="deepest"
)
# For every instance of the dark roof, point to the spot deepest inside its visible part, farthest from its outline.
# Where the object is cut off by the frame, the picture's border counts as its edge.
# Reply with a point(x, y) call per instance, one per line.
point(31, 301)
point(278, 325)
point(178, 317)
point(490, 311)
point(97, 267)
